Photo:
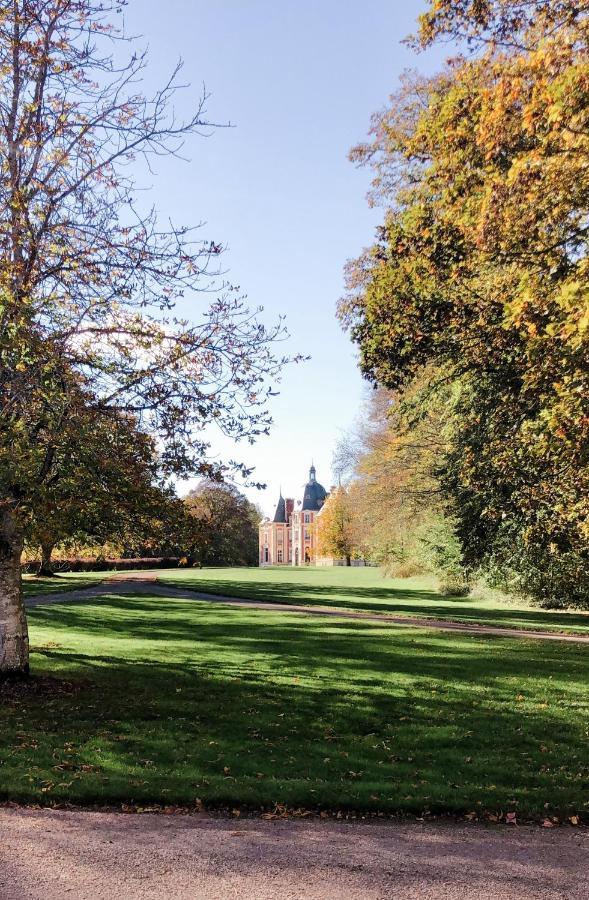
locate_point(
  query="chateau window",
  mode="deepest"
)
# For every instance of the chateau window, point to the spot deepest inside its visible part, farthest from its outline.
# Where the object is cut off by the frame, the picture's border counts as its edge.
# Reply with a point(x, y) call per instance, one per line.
point(307, 534)
point(307, 518)
point(280, 537)
point(280, 556)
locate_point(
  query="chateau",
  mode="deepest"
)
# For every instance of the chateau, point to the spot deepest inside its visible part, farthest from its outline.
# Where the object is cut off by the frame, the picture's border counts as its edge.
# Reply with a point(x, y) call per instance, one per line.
point(290, 539)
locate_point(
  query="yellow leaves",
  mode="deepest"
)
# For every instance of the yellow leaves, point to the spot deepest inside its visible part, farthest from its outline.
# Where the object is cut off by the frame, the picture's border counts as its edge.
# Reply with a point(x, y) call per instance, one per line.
point(583, 323)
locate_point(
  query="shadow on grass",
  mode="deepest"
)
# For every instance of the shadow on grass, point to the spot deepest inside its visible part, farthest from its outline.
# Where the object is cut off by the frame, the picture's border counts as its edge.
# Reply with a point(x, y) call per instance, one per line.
point(33, 586)
point(386, 599)
point(181, 621)
point(243, 707)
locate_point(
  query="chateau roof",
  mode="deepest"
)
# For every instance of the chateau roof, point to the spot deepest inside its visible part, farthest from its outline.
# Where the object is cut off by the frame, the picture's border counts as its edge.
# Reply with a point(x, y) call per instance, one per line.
point(315, 493)
point(280, 514)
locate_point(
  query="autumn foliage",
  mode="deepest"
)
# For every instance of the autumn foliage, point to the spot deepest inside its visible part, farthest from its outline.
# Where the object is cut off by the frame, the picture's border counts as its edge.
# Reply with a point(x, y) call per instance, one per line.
point(335, 527)
point(480, 275)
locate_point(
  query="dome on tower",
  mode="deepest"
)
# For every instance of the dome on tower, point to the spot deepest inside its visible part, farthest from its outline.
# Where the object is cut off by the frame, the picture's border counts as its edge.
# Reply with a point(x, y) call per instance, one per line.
point(315, 494)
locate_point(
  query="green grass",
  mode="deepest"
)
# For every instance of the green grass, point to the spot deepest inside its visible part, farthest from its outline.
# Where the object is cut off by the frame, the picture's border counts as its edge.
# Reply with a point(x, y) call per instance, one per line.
point(69, 581)
point(150, 700)
point(366, 589)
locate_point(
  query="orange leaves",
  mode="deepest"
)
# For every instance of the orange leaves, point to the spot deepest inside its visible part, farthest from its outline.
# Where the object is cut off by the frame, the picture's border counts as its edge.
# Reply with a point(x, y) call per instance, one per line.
point(482, 274)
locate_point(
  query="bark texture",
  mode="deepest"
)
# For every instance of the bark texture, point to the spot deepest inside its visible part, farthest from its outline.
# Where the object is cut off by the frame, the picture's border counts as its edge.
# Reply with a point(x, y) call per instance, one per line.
point(14, 638)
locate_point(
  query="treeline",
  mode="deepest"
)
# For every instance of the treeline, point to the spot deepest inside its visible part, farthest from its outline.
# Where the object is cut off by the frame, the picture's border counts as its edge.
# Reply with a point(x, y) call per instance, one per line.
point(144, 522)
point(471, 309)
point(394, 509)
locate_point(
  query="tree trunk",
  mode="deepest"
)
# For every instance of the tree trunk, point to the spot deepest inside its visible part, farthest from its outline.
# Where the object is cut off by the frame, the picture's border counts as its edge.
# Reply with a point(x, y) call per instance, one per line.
point(46, 569)
point(348, 560)
point(14, 638)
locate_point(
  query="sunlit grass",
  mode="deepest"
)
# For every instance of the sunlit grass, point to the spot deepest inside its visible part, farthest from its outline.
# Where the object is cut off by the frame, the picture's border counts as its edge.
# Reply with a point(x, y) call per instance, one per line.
point(367, 589)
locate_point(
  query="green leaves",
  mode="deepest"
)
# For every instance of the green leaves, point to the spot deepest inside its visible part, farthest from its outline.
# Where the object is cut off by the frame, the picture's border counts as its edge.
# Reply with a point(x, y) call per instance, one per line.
point(481, 271)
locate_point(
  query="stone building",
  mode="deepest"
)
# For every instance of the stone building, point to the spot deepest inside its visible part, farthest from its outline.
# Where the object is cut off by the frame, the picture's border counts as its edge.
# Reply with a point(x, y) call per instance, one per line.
point(289, 539)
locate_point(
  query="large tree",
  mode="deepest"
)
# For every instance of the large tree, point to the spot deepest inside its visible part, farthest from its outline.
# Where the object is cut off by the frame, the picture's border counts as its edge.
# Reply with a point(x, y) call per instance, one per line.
point(222, 526)
point(480, 272)
point(90, 276)
point(105, 486)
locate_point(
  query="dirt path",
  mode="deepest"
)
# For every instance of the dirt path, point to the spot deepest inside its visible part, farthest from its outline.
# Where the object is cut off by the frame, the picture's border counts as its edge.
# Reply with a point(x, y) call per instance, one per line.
point(48, 855)
point(146, 583)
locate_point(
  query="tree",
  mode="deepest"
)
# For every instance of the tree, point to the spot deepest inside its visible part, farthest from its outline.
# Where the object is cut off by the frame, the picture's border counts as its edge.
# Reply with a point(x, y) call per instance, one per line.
point(89, 278)
point(480, 273)
point(105, 486)
point(509, 24)
point(399, 516)
point(222, 526)
point(334, 527)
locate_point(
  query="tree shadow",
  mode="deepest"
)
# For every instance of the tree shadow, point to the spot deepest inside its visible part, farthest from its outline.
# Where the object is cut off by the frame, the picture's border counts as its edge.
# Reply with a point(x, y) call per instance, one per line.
point(243, 706)
point(409, 601)
point(55, 584)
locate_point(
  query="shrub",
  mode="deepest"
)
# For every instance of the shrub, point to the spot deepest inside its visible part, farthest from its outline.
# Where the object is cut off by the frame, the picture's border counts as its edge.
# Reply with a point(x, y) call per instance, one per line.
point(454, 584)
point(106, 565)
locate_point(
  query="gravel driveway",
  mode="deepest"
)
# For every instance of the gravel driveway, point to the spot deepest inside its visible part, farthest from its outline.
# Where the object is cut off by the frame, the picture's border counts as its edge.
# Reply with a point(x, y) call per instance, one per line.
point(49, 855)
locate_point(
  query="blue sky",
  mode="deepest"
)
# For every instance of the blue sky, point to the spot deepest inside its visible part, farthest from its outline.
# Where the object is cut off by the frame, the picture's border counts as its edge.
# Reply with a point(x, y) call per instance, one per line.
point(298, 82)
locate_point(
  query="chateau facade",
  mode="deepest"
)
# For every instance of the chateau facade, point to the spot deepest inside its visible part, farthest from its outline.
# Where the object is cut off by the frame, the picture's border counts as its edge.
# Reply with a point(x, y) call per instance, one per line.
point(290, 538)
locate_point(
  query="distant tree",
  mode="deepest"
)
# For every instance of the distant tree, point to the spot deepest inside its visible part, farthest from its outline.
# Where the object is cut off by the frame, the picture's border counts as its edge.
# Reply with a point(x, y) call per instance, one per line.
point(335, 534)
point(89, 277)
point(345, 456)
point(104, 487)
point(399, 516)
point(222, 526)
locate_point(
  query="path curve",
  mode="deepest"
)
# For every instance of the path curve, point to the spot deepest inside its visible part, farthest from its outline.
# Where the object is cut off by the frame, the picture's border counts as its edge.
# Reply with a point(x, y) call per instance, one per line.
point(51, 855)
point(146, 583)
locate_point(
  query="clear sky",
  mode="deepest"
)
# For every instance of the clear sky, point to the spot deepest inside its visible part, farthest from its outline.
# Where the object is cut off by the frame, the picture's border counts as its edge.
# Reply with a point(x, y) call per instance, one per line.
point(298, 80)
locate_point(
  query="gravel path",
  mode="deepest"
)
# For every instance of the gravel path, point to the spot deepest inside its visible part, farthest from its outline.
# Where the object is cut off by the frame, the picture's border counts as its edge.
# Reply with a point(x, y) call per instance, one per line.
point(49, 855)
point(146, 583)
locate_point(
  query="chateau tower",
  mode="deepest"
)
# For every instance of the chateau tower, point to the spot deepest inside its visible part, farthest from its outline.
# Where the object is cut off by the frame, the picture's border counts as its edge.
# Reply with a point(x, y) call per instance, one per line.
point(290, 538)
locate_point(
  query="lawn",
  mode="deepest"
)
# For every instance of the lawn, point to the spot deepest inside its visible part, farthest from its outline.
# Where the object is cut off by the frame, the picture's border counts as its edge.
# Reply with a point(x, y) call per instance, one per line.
point(69, 581)
point(367, 589)
point(148, 700)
